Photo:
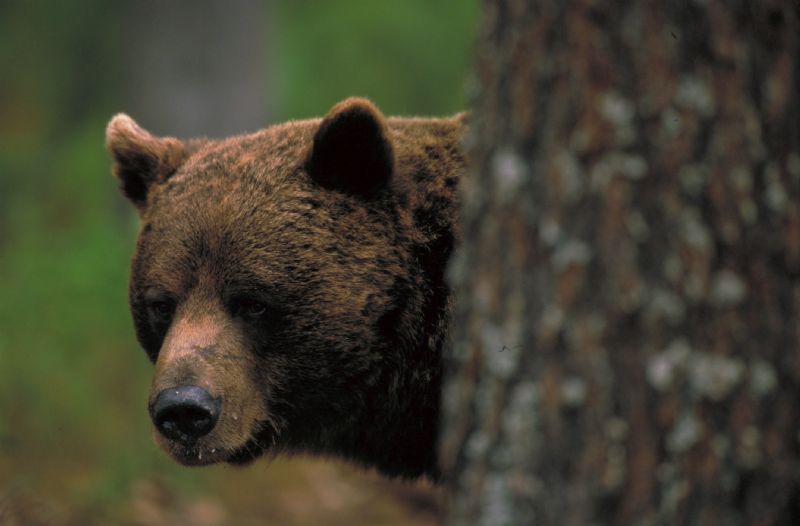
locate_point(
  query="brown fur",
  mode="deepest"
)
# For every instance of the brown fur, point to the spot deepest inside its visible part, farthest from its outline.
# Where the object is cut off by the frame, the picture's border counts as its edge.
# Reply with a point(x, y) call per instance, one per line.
point(341, 227)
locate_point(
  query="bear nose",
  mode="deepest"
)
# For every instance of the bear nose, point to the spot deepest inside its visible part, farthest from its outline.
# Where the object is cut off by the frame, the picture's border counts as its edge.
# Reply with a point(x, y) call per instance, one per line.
point(184, 413)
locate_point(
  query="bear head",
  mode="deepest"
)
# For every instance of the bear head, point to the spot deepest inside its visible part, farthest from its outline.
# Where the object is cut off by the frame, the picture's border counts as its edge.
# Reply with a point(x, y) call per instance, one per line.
point(288, 285)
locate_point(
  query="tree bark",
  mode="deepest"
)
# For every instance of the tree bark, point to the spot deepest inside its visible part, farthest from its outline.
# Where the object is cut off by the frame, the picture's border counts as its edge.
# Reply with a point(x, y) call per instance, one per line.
point(626, 347)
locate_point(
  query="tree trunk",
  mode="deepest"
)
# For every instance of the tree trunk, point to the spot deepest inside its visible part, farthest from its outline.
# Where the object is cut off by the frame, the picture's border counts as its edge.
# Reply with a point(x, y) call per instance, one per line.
point(198, 67)
point(626, 346)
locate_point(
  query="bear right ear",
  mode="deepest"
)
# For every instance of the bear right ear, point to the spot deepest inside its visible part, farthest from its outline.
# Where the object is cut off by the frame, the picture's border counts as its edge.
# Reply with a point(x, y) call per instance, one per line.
point(140, 159)
point(351, 151)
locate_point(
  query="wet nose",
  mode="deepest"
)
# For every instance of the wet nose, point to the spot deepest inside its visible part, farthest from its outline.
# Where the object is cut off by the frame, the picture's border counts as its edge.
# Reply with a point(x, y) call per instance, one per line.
point(185, 413)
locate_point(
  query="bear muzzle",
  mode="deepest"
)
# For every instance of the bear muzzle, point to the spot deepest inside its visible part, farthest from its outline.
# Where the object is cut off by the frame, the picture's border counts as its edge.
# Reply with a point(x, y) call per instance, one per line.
point(185, 414)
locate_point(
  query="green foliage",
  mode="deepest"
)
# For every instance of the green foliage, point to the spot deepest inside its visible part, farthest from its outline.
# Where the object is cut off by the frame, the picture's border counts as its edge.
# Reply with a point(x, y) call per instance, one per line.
point(73, 423)
point(410, 57)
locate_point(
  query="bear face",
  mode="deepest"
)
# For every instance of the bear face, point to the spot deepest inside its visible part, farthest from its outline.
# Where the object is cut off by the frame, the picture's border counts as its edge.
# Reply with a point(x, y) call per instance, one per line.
point(288, 285)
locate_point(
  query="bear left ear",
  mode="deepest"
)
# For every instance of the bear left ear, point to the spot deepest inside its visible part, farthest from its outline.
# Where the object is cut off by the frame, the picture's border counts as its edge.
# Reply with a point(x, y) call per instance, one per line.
point(351, 150)
point(140, 159)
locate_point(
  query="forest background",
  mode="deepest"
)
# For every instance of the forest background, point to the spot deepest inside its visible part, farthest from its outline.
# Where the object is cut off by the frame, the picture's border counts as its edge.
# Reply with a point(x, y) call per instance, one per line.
point(75, 437)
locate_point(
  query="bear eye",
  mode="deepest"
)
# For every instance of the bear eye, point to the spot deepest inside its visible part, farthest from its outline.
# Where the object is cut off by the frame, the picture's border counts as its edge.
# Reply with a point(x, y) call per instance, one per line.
point(161, 309)
point(250, 308)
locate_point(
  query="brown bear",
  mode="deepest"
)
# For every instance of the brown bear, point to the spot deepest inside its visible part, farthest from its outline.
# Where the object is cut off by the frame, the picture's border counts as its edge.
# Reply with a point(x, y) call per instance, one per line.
point(289, 285)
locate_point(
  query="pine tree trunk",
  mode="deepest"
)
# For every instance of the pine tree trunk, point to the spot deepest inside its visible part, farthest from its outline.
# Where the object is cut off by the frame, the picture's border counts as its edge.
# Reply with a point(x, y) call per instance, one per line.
point(627, 339)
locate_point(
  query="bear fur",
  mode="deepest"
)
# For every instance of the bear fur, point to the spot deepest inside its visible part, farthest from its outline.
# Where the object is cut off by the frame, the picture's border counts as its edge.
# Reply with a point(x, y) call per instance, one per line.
point(297, 275)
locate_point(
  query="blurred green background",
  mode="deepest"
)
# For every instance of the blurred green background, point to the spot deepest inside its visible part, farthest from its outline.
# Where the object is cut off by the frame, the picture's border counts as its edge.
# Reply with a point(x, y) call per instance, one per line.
point(75, 444)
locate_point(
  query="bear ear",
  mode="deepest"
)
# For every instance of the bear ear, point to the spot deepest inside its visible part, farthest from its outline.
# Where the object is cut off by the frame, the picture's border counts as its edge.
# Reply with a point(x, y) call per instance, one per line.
point(351, 150)
point(140, 159)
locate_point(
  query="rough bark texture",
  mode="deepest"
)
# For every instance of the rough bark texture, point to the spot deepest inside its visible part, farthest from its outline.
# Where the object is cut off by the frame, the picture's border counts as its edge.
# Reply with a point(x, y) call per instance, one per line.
point(627, 339)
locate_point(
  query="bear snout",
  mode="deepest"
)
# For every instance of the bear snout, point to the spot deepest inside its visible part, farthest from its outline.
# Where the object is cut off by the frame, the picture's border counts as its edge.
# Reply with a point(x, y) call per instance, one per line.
point(185, 414)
